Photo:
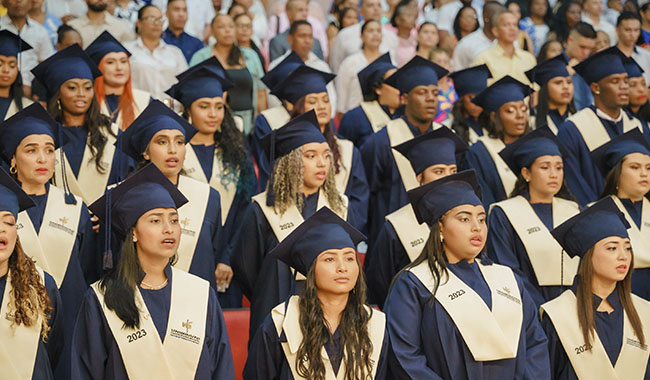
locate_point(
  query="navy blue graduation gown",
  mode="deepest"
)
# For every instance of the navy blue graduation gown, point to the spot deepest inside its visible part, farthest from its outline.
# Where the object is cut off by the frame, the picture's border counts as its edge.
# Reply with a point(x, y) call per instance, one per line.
point(4, 106)
point(95, 353)
point(356, 127)
point(557, 117)
point(425, 343)
point(48, 354)
point(640, 276)
point(261, 128)
point(479, 159)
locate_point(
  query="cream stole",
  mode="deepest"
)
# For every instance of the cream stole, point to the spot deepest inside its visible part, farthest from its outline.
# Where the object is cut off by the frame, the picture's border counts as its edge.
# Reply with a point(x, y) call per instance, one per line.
point(90, 185)
point(346, 148)
point(375, 114)
point(551, 264)
point(191, 216)
point(489, 334)
point(507, 177)
point(289, 322)
point(594, 363)
point(592, 129)
point(276, 117)
point(193, 169)
point(13, 108)
point(18, 344)
point(473, 136)
point(639, 238)
point(411, 234)
point(143, 353)
point(141, 100)
point(551, 124)
point(52, 246)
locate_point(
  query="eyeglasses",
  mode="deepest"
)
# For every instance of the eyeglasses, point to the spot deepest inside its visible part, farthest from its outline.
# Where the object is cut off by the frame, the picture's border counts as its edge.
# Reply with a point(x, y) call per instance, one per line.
point(154, 20)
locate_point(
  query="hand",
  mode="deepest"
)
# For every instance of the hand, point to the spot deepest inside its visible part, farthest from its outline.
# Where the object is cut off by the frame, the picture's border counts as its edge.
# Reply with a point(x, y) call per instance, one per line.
point(224, 276)
point(67, 18)
point(95, 220)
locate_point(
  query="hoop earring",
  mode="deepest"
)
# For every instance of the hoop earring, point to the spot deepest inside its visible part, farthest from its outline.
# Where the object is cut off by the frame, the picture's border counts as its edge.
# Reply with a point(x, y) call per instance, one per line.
point(13, 170)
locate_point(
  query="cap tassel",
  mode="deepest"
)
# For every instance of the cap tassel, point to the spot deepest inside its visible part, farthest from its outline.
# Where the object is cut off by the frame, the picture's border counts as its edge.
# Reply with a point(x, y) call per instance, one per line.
point(69, 197)
point(108, 253)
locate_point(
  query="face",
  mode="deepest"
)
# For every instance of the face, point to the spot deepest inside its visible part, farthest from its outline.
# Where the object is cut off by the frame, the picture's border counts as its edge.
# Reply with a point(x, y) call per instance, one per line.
point(8, 71)
point(244, 29)
point(464, 231)
point(545, 175)
point(614, 90)
point(634, 181)
point(538, 8)
point(336, 271)
point(573, 14)
point(611, 259)
point(34, 159)
point(506, 29)
point(157, 233)
point(116, 68)
point(207, 114)
point(97, 5)
point(388, 95)
point(560, 91)
point(151, 24)
point(316, 160)
point(515, 10)
point(553, 50)
point(638, 92)
point(441, 58)
point(514, 118)
point(302, 41)
point(602, 41)
point(37, 4)
point(320, 103)
point(69, 38)
point(167, 151)
point(371, 9)
point(435, 172)
point(579, 47)
point(428, 36)
point(8, 236)
point(422, 103)
point(17, 8)
point(177, 14)
point(407, 17)
point(468, 20)
point(76, 95)
point(593, 7)
point(350, 18)
point(628, 32)
point(223, 29)
point(297, 10)
point(472, 109)
point(371, 36)
point(236, 10)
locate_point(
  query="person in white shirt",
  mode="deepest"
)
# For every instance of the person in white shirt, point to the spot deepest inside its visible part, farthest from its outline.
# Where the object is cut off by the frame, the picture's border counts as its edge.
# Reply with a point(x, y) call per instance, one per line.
point(66, 10)
point(280, 23)
point(199, 17)
point(470, 46)
point(98, 20)
point(628, 29)
point(447, 14)
point(591, 14)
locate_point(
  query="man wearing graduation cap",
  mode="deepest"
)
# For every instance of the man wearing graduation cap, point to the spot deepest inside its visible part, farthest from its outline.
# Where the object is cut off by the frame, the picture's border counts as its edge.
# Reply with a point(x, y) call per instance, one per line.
point(595, 125)
point(11, 90)
point(468, 83)
point(389, 173)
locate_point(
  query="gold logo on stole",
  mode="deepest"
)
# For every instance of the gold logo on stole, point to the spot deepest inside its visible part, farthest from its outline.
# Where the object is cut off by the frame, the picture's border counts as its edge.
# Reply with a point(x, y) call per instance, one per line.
point(188, 325)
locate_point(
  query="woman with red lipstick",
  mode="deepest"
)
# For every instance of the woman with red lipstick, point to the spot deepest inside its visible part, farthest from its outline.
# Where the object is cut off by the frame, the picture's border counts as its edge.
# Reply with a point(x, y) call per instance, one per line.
point(453, 313)
point(598, 329)
point(11, 83)
point(519, 227)
point(639, 105)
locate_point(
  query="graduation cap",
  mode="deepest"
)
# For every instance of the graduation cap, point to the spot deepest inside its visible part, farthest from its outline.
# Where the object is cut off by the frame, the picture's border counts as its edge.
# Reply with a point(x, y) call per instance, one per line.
point(579, 233)
point(66, 64)
point(103, 45)
point(417, 72)
point(32, 120)
point(431, 201)
point(506, 89)
point(432, 148)
point(282, 70)
point(374, 72)
point(12, 196)
point(201, 81)
point(523, 152)
point(608, 155)
point(549, 69)
point(602, 64)
point(632, 68)
point(11, 44)
point(302, 81)
point(471, 81)
point(321, 232)
point(155, 118)
point(299, 131)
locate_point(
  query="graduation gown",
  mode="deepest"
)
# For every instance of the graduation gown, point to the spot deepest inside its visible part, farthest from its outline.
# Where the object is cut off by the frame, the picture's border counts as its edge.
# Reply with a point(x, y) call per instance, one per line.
point(362, 121)
point(96, 355)
point(264, 123)
point(475, 130)
point(48, 353)
point(111, 102)
point(8, 107)
point(494, 176)
point(427, 344)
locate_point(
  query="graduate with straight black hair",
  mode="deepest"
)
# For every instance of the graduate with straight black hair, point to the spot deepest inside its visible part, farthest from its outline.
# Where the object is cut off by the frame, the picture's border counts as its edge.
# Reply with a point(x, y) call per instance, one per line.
point(468, 83)
point(452, 313)
point(598, 329)
point(146, 319)
point(327, 331)
point(11, 90)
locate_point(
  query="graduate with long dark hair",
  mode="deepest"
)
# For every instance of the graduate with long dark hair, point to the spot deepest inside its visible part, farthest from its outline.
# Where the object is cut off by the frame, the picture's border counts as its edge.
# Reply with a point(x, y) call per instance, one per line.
point(11, 89)
point(468, 83)
point(555, 99)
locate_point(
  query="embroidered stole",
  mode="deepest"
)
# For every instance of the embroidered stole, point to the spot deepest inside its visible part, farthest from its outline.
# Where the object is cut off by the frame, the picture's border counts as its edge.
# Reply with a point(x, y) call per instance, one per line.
point(346, 148)
point(551, 264)
point(592, 129)
point(18, 343)
point(143, 353)
point(639, 238)
point(594, 363)
point(289, 322)
point(494, 146)
point(276, 117)
point(375, 114)
point(489, 334)
point(411, 234)
point(141, 100)
point(191, 216)
point(13, 108)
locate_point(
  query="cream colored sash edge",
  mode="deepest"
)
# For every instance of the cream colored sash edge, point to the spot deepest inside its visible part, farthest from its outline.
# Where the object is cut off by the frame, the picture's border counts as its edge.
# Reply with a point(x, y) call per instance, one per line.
point(13, 108)
point(191, 216)
point(640, 238)
point(593, 131)
point(399, 132)
point(276, 117)
point(507, 177)
point(411, 234)
point(346, 148)
point(375, 114)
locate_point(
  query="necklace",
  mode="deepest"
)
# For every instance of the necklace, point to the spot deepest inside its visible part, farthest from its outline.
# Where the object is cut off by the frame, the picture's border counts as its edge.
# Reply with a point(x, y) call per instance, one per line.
point(154, 287)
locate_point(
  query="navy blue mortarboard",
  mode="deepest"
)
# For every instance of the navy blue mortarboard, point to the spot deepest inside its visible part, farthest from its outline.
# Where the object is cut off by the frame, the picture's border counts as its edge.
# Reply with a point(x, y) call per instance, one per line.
point(11, 44)
point(417, 72)
point(32, 120)
point(608, 155)
point(321, 232)
point(523, 152)
point(71, 62)
point(506, 89)
point(204, 81)
point(602, 64)
point(155, 118)
point(374, 72)
point(549, 69)
point(299, 131)
point(302, 81)
point(103, 45)
point(431, 201)
point(432, 148)
point(579, 233)
point(282, 70)
point(632, 68)
point(12, 197)
point(471, 81)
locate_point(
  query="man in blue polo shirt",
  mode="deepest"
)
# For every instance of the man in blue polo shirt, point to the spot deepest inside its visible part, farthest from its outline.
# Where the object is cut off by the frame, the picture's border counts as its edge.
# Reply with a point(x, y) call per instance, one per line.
point(175, 34)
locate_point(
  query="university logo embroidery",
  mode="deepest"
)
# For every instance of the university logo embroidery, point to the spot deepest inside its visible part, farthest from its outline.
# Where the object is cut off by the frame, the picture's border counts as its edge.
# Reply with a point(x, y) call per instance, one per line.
point(60, 225)
point(506, 293)
point(646, 224)
point(185, 335)
point(63, 220)
point(637, 344)
point(186, 222)
point(188, 325)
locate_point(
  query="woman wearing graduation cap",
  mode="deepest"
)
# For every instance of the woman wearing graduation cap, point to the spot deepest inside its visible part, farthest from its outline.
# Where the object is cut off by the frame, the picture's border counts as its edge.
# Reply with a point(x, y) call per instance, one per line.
point(598, 329)
point(452, 313)
point(302, 181)
point(400, 241)
point(327, 332)
point(639, 105)
point(31, 327)
point(519, 227)
point(91, 162)
point(147, 319)
point(469, 83)
point(380, 104)
point(555, 99)
point(11, 83)
point(117, 98)
point(505, 117)
point(625, 165)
